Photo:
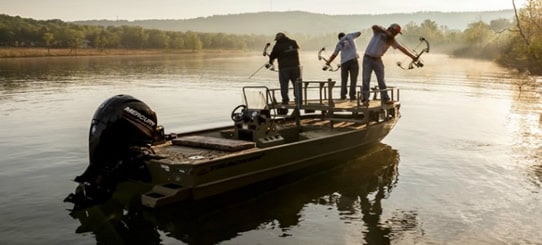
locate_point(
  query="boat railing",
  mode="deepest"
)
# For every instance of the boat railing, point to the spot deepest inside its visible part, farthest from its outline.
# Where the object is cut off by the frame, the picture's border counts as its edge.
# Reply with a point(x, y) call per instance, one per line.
point(322, 97)
point(375, 92)
point(324, 93)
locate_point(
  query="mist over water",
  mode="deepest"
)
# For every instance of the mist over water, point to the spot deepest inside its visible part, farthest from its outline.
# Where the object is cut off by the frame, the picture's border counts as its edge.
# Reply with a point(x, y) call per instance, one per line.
point(462, 166)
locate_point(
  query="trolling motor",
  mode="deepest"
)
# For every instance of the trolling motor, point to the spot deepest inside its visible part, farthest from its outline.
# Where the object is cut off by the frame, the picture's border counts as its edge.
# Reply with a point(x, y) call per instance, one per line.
point(121, 134)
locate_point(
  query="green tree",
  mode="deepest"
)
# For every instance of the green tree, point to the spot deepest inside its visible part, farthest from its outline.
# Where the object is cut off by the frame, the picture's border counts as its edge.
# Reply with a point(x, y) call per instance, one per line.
point(524, 50)
point(7, 35)
point(192, 41)
point(157, 39)
point(500, 25)
point(48, 38)
point(133, 37)
point(75, 39)
point(176, 40)
point(478, 34)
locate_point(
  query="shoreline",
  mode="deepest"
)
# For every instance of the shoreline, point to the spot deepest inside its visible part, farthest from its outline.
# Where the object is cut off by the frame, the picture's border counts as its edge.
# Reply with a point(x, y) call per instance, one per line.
point(7, 53)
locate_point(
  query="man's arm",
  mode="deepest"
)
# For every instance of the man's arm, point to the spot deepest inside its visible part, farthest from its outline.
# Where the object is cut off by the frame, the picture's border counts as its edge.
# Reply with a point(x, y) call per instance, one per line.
point(355, 34)
point(377, 29)
point(335, 53)
point(331, 58)
point(406, 52)
point(273, 54)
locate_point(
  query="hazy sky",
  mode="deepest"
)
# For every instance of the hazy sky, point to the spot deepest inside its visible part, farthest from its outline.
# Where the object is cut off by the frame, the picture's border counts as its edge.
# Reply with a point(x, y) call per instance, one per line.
point(69, 10)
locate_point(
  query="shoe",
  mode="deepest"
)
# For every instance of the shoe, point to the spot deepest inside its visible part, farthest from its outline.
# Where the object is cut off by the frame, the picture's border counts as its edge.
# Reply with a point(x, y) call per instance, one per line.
point(389, 102)
point(343, 98)
point(365, 103)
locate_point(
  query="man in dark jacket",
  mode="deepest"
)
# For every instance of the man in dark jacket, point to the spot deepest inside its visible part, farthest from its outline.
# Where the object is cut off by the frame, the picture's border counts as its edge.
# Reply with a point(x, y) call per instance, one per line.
point(286, 53)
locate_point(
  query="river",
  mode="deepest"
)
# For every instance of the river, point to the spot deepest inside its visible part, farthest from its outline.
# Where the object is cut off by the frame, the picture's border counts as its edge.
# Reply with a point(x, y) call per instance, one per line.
point(463, 165)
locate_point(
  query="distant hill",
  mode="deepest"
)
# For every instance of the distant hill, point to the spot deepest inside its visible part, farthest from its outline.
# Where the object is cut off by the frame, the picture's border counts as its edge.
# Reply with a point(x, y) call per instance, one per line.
point(304, 22)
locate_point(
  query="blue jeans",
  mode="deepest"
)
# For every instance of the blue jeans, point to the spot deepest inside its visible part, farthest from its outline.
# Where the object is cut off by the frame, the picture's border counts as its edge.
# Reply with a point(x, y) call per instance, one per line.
point(286, 75)
point(349, 67)
point(371, 64)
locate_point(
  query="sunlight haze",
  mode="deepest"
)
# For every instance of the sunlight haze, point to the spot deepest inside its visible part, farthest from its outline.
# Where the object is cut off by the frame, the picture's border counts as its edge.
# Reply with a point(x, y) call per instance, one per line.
point(184, 9)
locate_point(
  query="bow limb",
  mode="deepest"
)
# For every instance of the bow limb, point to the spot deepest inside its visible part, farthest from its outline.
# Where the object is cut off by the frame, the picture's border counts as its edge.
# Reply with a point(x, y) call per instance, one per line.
point(320, 57)
point(417, 62)
point(267, 65)
point(265, 49)
point(327, 66)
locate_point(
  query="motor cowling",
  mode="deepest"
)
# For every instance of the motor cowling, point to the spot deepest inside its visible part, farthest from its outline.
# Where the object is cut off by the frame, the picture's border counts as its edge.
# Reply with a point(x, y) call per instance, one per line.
point(121, 133)
point(119, 123)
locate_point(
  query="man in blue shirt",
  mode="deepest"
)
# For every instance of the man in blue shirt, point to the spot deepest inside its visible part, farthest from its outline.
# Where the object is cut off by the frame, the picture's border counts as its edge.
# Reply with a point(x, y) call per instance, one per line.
point(349, 62)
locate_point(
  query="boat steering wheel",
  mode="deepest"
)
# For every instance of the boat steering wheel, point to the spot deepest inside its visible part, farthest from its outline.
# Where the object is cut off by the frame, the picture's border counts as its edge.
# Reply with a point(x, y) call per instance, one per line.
point(238, 113)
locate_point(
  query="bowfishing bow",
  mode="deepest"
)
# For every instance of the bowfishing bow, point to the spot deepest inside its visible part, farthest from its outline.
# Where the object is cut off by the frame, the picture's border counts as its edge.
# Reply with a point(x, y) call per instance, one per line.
point(267, 65)
point(327, 67)
point(417, 62)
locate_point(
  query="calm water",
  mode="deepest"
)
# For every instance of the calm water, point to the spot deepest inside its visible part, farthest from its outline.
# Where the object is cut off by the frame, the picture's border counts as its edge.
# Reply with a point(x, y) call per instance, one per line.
point(463, 166)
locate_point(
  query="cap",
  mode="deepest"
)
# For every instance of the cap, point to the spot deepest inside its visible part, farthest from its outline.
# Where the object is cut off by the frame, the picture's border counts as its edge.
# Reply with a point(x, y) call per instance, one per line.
point(396, 28)
point(279, 35)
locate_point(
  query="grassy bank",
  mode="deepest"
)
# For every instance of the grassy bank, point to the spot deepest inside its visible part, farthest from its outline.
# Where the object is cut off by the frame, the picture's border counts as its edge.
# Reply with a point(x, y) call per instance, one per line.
point(43, 52)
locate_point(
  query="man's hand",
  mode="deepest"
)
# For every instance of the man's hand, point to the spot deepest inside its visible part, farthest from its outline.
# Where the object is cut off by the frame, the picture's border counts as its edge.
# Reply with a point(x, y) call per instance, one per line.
point(270, 66)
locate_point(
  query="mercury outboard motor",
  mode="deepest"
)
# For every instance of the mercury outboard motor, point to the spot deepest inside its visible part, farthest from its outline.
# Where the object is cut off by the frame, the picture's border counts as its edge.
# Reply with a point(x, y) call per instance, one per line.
point(121, 134)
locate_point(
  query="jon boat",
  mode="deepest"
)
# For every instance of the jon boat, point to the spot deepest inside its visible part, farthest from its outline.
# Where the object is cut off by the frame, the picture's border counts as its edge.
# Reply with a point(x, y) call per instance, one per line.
point(266, 140)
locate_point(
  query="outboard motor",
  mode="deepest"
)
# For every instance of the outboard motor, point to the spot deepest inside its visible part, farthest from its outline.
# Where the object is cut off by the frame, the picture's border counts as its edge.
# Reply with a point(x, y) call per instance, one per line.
point(121, 134)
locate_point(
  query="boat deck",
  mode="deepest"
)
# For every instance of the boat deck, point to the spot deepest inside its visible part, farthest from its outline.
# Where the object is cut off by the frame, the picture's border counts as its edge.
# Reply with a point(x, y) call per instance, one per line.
point(320, 116)
point(336, 105)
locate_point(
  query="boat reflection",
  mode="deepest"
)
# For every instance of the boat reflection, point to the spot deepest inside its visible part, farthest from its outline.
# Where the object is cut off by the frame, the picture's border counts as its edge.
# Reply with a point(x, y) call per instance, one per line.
point(356, 188)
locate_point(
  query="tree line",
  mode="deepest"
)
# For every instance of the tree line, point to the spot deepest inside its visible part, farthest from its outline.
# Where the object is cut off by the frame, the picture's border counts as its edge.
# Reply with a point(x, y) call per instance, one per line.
point(514, 43)
point(24, 32)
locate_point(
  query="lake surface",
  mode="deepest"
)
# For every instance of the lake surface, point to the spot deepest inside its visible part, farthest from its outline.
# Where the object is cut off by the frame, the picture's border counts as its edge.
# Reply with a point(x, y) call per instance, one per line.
point(463, 165)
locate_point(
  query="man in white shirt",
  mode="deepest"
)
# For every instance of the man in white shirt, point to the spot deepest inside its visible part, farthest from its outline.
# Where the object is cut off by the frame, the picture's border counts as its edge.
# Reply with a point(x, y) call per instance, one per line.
point(349, 62)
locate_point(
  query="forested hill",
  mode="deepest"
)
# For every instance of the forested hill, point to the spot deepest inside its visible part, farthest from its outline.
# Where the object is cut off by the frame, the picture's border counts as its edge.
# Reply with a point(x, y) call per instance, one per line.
point(305, 22)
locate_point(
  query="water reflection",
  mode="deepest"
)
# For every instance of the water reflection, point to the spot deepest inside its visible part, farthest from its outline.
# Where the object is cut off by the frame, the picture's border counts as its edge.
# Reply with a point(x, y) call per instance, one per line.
point(35, 74)
point(526, 122)
point(481, 131)
point(355, 189)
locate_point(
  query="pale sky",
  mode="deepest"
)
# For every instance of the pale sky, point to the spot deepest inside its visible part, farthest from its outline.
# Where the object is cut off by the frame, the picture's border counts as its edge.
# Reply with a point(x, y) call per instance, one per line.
point(71, 10)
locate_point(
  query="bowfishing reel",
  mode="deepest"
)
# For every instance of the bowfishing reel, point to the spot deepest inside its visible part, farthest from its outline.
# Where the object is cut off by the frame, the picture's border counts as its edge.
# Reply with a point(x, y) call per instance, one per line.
point(270, 67)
